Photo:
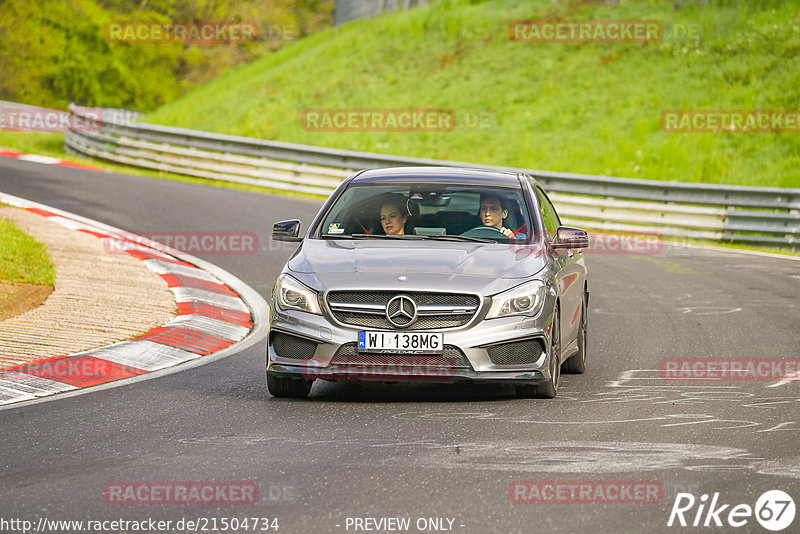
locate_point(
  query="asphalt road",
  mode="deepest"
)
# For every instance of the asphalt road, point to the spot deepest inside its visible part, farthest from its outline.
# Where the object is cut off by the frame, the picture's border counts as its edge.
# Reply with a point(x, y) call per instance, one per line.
point(425, 451)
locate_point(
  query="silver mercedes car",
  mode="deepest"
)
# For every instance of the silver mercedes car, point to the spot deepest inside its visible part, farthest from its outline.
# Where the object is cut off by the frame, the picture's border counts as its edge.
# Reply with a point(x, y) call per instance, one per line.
point(432, 274)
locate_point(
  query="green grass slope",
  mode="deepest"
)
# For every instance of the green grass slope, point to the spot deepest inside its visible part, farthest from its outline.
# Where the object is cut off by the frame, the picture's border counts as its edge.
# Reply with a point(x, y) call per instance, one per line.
point(586, 107)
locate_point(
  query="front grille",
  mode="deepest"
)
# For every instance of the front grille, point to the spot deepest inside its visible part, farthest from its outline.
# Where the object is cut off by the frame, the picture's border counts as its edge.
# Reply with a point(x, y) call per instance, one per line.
point(422, 323)
point(516, 353)
point(420, 297)
point(451, 358)
point(292, 347)
point(434, 310)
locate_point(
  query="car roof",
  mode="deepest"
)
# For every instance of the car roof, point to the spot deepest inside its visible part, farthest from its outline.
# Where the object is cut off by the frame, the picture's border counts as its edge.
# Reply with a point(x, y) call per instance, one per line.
point(441, 175)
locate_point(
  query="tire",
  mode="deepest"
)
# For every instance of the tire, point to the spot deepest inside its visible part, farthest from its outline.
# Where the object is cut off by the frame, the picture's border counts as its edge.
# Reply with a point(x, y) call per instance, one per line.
point(547, 390)
point(576, 364)
point(296, 388)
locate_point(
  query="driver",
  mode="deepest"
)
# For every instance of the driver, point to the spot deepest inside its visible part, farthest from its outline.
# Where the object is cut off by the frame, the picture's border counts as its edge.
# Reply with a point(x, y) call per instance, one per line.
point(394, 217)
point(493, 211)
point(393, 220)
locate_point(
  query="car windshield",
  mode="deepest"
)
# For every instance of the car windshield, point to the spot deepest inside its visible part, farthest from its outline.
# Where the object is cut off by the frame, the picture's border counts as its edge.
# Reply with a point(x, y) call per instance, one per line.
point(436, 212)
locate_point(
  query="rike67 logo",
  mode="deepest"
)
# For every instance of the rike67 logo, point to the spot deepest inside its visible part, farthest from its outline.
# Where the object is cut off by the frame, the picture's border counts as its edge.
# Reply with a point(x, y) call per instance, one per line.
point(774, 510)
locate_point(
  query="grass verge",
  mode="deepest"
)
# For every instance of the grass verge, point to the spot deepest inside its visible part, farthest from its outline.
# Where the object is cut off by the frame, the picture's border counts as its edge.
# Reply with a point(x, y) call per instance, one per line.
point(23, 260)
point(26, 273)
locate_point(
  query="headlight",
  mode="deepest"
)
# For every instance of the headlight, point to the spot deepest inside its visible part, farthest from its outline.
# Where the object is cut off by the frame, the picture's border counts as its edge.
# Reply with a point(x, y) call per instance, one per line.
point(292, 295)
point(526, 299)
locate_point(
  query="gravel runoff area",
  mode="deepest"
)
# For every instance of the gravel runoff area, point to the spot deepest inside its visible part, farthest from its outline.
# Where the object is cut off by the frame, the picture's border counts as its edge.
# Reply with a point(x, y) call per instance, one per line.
point(100, 297)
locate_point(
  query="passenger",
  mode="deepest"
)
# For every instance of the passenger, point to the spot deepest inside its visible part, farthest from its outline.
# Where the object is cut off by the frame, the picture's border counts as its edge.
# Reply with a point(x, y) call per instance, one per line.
point(493, 211)
point(394, 217)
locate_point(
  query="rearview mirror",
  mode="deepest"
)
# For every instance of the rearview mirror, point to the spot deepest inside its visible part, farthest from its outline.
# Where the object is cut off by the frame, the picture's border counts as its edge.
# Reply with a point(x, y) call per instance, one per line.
point(287, 230)
point(568, 237)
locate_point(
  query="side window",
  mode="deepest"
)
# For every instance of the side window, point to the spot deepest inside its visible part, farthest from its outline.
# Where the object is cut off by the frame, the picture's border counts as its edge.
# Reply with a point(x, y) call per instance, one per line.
point(549, 215)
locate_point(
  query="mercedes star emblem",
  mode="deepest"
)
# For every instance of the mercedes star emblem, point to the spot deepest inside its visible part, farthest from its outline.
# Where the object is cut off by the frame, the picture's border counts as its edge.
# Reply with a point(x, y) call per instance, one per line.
point(401, 311)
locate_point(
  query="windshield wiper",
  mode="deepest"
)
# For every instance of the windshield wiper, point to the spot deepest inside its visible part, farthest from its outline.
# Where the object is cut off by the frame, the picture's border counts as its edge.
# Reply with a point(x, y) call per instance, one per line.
point(384, 236)
point(453, 237)
point(446, 237)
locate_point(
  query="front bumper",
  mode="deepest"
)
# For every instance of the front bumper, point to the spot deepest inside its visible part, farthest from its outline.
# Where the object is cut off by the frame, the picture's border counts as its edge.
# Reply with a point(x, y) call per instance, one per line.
point(327, 352)
point(408, 374)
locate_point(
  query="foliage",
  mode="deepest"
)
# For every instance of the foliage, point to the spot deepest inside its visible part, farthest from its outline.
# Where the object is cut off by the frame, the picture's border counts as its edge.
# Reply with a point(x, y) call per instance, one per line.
point(54, 52)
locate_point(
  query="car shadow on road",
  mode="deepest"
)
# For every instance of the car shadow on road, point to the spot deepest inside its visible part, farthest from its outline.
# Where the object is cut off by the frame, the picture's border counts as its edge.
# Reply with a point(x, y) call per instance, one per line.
point(395, 392)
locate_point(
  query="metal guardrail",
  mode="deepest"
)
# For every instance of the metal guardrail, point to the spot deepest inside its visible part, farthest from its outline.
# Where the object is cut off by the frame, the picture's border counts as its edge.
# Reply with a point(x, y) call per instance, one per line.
point(759, 215)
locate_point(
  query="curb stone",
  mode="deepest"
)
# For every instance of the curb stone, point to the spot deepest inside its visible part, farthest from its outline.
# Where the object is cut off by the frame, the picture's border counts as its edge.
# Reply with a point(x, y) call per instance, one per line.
point(212, 317)
point(47, 160)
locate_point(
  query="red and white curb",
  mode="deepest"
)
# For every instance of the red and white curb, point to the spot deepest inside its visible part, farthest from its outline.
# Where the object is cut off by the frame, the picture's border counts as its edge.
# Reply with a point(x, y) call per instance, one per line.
point(211, 317)
point(46, 160)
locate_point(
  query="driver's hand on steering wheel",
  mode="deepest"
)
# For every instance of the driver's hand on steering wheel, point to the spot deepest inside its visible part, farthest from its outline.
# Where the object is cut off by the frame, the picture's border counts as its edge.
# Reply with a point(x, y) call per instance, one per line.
point(507, 232)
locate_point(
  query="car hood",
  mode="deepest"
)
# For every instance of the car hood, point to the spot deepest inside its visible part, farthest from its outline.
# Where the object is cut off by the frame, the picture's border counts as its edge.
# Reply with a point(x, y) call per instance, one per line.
point(441, 258)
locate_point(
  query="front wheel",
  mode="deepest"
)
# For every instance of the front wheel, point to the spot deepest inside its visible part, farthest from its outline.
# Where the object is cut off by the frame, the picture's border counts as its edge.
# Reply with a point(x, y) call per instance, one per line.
point(576, 364)
point(296, 388)
point(548, 389)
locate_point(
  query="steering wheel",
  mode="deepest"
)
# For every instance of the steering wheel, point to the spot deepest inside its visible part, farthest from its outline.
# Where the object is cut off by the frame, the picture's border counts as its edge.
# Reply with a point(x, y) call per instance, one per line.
point(490, 232)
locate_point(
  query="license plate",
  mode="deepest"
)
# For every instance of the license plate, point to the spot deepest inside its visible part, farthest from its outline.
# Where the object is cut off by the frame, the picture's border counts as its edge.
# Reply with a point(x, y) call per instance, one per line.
point(405, 342)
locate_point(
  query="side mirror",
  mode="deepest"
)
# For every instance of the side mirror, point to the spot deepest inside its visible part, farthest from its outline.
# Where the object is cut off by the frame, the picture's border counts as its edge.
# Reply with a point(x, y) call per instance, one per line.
point(287, 231)
point(568, 237)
